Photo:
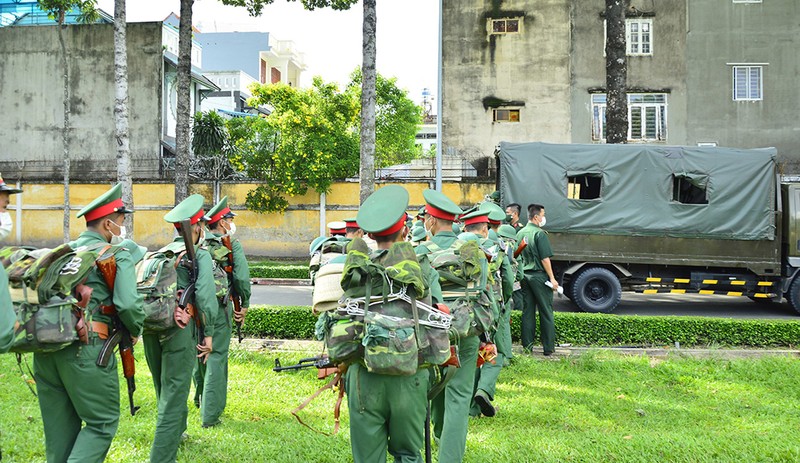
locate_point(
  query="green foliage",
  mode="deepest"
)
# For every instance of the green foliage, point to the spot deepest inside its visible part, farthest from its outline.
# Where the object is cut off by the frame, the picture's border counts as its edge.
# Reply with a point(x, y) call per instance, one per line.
point(279, 271)
point(56, 9)
point(292, 322)
point(603, 330)
point(212, 147)
point(255, 7)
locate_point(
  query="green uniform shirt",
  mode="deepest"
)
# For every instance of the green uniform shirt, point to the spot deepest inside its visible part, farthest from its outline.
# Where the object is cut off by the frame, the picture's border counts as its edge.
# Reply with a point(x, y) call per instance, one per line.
point(126, 298)
point(538, 248)
point(205, 293)
point(7, 316)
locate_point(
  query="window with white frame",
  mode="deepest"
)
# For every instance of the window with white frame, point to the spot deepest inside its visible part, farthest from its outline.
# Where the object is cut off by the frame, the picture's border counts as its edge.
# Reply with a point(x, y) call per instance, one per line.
point(647, 117)
point(746, 1)
point(504, 26)
point(638, 36)
point(747, 83)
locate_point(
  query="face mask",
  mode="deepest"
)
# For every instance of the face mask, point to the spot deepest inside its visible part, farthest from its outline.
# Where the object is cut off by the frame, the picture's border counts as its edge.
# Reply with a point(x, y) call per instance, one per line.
point(117, 239)
point(231, 229)
point(544, 221)
point(5, 225)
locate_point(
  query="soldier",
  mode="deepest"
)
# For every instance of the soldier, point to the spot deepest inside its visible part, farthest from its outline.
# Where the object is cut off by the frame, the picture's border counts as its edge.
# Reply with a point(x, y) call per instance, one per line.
point(72, 389)
point(171, 354)
point(7, 316)
point(352, 230)
point(211, 378)
point(537, 271)
point(418, 235)
point(450, 409)
point(512, 213)
point(337, 228)
point(387, 412)
point(6, 224)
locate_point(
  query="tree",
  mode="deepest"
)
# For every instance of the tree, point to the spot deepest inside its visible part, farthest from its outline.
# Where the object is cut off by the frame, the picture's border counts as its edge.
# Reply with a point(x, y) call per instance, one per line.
point(616, 72)
point(212, 149)
point(87, 13)
point(121, 109)
point(368, 57)
point(183, 116)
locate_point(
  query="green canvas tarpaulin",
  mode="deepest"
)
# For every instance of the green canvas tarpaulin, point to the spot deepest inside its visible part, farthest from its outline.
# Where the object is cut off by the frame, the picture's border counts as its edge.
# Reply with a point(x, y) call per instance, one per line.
point(641, 188)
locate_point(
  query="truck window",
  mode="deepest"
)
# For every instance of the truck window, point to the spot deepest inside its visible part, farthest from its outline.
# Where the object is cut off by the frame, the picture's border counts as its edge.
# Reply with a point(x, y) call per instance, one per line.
point(686, 190)
point(585, 186)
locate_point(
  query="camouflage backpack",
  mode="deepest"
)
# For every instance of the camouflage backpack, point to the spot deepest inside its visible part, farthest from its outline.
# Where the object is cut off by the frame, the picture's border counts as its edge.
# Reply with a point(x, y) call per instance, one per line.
point(378, 319)
point(219, 256)
point(48, 294)
point(157, 281)
point(463, 277)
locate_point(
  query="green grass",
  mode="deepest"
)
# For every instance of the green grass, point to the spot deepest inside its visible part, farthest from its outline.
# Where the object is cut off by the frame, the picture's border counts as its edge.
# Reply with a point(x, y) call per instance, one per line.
point(599, 407)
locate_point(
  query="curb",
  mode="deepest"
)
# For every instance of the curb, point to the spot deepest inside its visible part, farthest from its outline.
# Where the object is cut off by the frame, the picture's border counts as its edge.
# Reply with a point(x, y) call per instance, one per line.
point(280, 282)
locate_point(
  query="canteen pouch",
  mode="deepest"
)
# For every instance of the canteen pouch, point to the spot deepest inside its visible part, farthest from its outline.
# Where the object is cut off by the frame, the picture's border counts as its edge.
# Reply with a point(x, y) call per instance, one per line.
point(434, 346)
point(390, 345)
point(484, 315)
point(342, 336)
point(45, 327)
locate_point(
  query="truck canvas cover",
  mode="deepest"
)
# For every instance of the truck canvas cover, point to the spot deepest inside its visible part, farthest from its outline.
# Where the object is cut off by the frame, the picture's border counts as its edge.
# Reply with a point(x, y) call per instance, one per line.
point(731, 191)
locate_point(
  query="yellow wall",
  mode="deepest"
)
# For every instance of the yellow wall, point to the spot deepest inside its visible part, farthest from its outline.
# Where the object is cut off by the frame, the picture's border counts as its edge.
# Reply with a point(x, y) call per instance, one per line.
point(286, 234)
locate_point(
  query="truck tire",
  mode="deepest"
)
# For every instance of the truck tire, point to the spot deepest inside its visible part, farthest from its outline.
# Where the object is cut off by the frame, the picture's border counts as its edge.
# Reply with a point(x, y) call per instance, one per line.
point(596, 290)
point(793, 296)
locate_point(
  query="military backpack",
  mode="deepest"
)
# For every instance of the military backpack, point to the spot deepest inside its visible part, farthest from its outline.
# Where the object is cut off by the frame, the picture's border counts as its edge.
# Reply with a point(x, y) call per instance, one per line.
point(157, 282)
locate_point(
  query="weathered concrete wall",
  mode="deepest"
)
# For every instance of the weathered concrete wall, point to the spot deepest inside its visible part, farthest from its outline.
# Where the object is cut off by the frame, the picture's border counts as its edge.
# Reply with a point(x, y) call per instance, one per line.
point(663, 71)
point(278, 235)
point(723, 32)
point(529, 70)
point(31, 100)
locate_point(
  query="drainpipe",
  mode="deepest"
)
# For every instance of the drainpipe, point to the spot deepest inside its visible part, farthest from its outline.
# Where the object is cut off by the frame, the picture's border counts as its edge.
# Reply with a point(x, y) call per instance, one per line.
point(18, 198)
point(322, 222)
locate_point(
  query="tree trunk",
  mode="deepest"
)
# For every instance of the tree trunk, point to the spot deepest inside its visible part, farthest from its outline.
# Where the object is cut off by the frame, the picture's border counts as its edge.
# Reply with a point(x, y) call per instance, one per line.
point(369, 77)
point(616, 72)
point(65, 129)
point(182, 129)
point(121, 110)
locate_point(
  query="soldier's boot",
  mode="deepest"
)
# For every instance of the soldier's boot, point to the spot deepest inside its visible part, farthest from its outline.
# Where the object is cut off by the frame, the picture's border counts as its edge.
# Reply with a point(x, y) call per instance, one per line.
point(484, 403)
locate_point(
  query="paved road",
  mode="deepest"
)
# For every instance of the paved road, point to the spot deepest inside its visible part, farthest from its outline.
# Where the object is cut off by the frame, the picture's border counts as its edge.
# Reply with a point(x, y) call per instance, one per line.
point(632, 304)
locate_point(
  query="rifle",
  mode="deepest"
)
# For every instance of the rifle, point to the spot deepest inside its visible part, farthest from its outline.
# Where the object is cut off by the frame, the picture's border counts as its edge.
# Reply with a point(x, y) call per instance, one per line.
point(522, 245)
point(107, 265)
point(322, 363)
point(186, 295)
point(237, 301)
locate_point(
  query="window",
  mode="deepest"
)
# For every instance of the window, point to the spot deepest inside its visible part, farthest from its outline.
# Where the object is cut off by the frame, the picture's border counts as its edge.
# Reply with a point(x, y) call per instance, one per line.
point(638, 36)
point(746, 1)
point(584, 186)
point(506, 115)
point(747, 83)
point(647, 117)
point(504, 26)
point(689, 190)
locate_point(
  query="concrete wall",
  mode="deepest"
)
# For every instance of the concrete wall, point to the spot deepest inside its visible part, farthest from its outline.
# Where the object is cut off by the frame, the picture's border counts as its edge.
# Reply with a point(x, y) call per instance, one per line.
point(724, 32)
point(529, 70)
point(280, 235)
point(665, 70)
point(31, 100)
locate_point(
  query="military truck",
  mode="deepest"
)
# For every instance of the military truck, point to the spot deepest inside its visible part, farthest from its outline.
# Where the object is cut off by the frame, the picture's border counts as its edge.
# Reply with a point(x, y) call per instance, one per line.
point(660, 219)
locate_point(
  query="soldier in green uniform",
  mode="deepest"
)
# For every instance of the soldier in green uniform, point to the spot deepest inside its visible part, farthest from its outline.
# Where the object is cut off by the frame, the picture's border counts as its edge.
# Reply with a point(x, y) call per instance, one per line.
point(450, 409)
point(352, 230)
point(537, 271)
point(387, 412)
point(211, 378)
point(7, 316)
point(79, 400)
point(5, 217)
point(171, 354)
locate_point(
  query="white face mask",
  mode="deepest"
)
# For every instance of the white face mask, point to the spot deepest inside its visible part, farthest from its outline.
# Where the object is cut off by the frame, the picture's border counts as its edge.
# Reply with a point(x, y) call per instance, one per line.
point(544, 221)
point(117, 239)
point(231, 229)
point(6, 225)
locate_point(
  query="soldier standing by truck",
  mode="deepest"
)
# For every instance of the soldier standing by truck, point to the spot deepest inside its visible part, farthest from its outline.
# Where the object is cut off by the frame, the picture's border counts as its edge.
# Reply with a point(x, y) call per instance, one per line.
point(537, 271)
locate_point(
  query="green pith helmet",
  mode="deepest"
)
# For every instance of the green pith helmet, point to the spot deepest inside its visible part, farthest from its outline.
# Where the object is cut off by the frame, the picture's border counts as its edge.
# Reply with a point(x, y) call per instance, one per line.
point(384, 211)
point(469, 236)
point(190, 208)
point(494, 197)
point(312, 248)
point(107, 203)
point(492, 236)
point(456, 228)
point(507, 231)
point(8, 189)
point(137, 252)
point(440, 206)
point(418, 234)
point(219, 211)
point(496, 213)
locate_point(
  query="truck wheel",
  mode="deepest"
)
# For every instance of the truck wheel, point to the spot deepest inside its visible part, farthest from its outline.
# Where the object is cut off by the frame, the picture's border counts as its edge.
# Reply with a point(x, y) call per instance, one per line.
point(793, 296)
point(596, 290)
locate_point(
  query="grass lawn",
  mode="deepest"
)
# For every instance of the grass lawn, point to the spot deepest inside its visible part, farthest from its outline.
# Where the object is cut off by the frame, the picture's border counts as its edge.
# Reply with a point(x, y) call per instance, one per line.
point(599, 407)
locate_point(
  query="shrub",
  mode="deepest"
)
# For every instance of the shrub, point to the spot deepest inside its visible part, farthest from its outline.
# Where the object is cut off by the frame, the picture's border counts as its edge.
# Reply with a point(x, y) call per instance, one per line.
point(279, 271)
point(297, 322)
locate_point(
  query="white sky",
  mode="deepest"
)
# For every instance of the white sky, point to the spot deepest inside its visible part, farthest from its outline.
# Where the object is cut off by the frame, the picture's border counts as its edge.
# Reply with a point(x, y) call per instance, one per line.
point(331, 40)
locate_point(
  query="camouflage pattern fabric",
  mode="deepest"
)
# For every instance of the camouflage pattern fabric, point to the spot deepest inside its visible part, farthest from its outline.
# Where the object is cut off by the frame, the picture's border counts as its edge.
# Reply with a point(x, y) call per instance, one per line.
point(157, 281)
point(390, 345)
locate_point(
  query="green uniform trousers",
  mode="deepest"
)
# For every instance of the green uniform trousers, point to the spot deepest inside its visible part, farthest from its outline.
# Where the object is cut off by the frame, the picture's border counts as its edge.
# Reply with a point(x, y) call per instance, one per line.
point(386, 413)
point(72, 389)
point(486, 376)
point(171, 357)
point(450, 409)
point(537, 297)
point(211, 378)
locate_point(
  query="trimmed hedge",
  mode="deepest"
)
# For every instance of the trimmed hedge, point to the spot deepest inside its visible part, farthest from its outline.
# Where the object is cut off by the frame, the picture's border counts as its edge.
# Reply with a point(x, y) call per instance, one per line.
point(279, 271)
point(297, 322)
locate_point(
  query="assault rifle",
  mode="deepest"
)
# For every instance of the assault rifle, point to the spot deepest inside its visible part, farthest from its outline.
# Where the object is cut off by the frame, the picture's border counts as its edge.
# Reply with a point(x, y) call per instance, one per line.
point(322, 363)
point(107, 265)
point(237, 301)
point(522, 245)
point(186, 295)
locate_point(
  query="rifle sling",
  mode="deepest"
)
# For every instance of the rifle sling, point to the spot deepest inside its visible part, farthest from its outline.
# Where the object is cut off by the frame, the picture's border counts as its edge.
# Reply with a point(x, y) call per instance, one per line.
point(337, 380)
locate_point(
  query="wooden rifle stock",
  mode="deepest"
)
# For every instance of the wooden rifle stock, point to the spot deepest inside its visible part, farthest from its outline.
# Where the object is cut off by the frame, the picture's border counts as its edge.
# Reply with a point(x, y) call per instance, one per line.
point(237, 302)
point(522, 245)
point(188, 294)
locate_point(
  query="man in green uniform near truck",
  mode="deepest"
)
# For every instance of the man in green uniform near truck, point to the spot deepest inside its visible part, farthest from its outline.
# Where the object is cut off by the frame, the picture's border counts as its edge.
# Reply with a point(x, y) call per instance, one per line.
point(537, 271)
point(78, 399)
point(450, 408)
point(211, 378)
point(171, 354)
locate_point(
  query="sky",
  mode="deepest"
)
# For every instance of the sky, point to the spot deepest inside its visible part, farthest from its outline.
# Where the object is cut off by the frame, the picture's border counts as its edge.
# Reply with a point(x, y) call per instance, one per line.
point(407, 33)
